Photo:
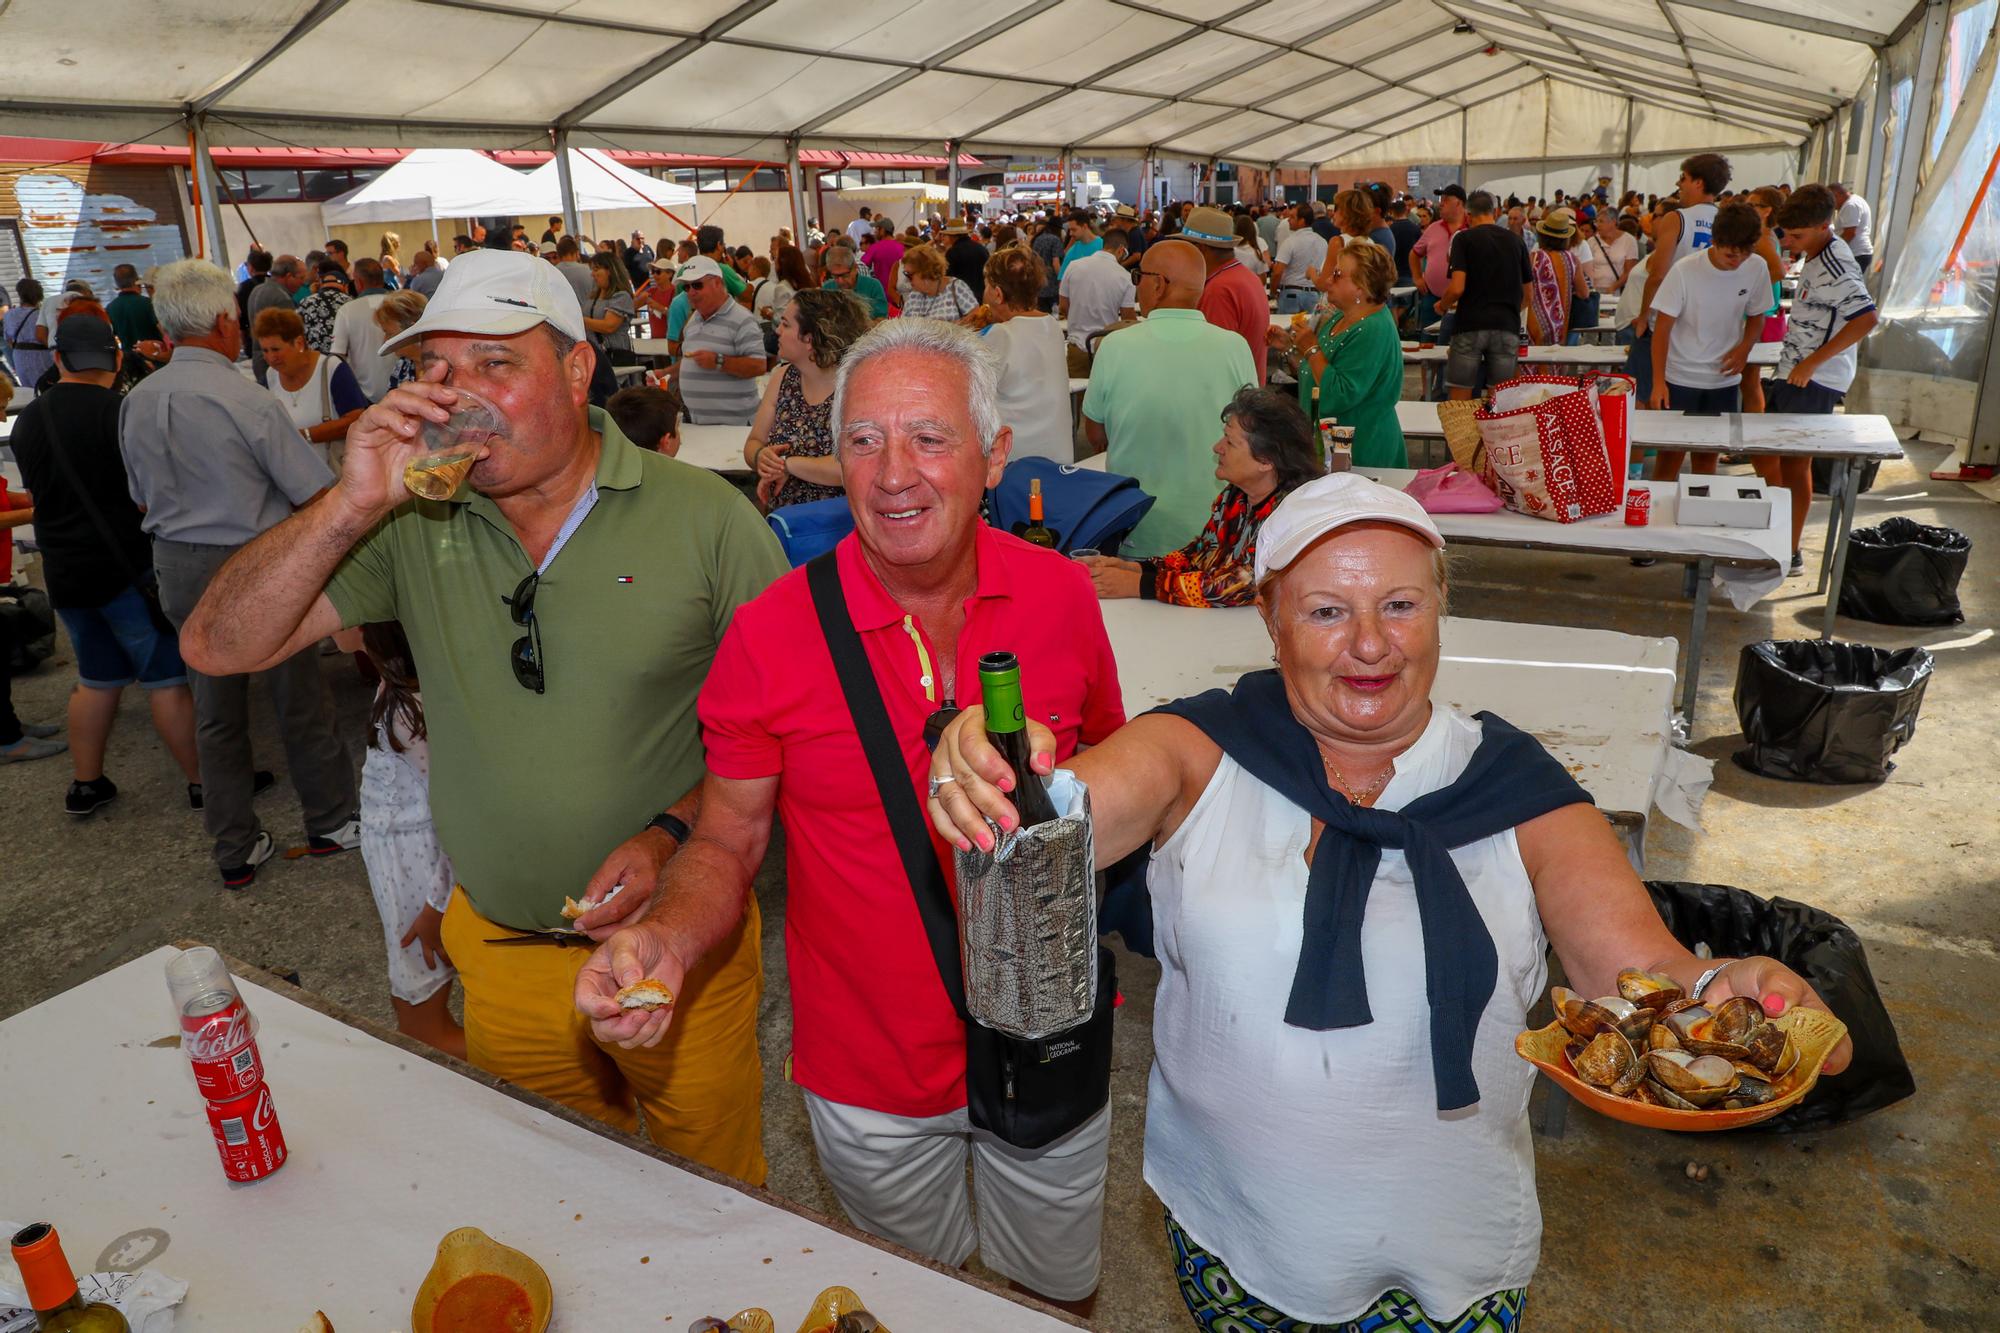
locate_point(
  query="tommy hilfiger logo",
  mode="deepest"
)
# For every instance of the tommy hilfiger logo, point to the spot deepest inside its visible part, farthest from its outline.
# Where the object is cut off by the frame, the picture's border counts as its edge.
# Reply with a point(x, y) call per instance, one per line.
point(624, 578)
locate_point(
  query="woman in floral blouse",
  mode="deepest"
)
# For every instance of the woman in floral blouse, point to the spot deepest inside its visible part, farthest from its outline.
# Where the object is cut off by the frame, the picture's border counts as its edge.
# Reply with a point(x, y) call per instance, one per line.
point(1266, 450)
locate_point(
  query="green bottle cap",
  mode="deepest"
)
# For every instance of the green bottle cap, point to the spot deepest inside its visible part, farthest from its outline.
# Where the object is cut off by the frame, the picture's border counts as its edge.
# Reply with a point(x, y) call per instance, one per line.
point(1000, 691)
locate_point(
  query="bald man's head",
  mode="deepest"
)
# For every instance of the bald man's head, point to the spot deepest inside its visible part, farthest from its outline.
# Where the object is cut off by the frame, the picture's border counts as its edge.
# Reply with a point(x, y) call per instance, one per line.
point(1180, 274)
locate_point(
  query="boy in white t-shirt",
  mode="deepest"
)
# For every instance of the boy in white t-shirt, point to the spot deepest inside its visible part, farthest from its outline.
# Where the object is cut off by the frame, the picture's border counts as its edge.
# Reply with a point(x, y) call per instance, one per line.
point(1831, 314)
point(1707, 314)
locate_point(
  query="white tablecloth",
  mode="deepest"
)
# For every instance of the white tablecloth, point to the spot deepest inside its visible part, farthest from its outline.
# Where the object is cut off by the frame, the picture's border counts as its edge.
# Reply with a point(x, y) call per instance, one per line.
point(105, 1134)
point(1601, 701)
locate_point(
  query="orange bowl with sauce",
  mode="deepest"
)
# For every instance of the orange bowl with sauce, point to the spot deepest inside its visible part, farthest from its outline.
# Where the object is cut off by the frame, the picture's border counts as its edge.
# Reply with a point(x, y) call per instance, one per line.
point(478, 1285)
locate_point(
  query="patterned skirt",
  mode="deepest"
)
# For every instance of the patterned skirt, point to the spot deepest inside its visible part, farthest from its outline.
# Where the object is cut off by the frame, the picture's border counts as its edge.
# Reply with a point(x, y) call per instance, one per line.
point(1219, 1305)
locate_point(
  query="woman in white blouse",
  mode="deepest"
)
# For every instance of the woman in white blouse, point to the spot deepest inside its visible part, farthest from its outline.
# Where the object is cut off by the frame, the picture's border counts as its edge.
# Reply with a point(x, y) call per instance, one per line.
point(1353, 891)
point(1034, 358)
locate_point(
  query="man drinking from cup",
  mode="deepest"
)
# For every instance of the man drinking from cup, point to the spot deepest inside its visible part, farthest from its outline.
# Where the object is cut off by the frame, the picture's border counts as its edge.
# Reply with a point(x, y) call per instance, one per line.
point(569, 599)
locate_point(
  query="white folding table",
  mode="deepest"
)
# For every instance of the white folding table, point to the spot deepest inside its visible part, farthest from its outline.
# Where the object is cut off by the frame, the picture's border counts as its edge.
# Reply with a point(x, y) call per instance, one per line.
point(391, 1146)
point(1849, 440)
point(1764, 552)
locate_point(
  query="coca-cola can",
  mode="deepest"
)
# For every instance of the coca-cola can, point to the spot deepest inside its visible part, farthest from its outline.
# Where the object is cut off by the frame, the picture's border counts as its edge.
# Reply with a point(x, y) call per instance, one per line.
point(247, 1135)
point(219, 1045)
point(1638, 507)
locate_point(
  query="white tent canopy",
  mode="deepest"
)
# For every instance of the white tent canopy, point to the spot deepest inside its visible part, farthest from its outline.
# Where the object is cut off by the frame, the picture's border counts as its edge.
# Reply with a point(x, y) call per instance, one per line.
point(929, 192)
point(433, 183)
point(1293, 82)
point(600, 183)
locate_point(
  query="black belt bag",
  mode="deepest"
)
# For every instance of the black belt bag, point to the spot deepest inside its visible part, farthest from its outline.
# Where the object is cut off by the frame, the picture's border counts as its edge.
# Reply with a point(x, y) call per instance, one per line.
point(1025, 1093)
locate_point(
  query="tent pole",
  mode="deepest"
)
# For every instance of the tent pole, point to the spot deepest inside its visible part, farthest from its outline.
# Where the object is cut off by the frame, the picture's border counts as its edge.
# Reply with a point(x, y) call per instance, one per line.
point(952, 207)
point(1878, 106)
point(1064, 166)
point(1312, 184)
point(1889, 246)
point(1464, 150)
point(213, 247)
point(795, 187)
point(1214, 165)
point(1625, 156)
point(571, 223)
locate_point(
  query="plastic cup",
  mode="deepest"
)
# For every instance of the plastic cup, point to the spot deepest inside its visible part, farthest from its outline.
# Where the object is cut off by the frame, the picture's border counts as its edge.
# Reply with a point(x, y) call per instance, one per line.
point(1084, 553)
point(451, 447)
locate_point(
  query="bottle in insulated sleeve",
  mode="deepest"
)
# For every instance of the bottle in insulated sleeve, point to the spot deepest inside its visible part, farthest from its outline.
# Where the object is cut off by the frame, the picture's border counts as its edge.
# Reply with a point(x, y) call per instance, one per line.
point(52, 1290)
point(1007, 729)
point(220, 1042)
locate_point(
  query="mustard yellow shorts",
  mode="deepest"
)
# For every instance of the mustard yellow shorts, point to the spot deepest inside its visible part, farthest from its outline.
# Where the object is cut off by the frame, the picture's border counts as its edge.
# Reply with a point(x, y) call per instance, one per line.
point(700, 1089)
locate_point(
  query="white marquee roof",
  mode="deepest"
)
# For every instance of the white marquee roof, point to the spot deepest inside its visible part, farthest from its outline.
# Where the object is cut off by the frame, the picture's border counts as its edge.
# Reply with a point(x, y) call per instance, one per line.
point(1253, 81)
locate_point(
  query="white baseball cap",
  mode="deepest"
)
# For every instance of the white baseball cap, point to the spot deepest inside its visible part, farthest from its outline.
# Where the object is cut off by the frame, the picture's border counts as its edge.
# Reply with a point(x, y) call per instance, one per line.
point(1330, 502)
point(502, 292)
point(701, 266)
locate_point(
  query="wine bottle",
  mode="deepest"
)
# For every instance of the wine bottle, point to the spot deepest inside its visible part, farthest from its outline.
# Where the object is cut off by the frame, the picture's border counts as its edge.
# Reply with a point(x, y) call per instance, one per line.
point(1007, 729)
point(52, 1290)
point(1037, 532)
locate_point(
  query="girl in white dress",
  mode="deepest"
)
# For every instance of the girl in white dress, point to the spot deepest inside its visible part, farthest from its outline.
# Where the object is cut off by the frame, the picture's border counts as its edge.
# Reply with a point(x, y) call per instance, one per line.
point(408, 871)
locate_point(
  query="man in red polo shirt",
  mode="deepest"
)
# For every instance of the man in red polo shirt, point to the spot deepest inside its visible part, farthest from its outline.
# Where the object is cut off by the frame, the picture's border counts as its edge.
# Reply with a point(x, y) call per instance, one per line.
point(1233, 297)
point(875, 1043)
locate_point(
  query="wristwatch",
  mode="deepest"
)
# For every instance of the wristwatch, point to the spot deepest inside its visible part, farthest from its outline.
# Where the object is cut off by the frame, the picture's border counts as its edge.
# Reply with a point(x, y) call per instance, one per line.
point(673, 826)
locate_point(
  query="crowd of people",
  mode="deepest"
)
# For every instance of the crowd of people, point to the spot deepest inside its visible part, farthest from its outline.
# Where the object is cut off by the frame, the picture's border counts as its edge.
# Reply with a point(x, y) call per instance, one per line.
point(632, 663)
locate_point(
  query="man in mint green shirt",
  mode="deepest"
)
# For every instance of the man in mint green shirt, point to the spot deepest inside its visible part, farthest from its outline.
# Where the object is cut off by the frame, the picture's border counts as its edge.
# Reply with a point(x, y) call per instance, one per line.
point(1156, 396)
point(844, 271)
point(563, 609)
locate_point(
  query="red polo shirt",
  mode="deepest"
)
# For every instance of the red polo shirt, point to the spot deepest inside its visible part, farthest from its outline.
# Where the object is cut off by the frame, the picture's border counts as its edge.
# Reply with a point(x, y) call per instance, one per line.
point(1233, 298)
point(871, 1026)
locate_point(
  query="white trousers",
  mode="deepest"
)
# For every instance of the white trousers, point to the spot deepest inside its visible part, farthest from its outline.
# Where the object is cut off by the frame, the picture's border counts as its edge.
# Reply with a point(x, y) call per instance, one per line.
point(1040, 1214)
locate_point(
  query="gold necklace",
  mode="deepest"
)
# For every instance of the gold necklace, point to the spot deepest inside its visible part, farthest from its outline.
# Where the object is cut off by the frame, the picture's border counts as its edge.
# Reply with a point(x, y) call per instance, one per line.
point(1367, 794)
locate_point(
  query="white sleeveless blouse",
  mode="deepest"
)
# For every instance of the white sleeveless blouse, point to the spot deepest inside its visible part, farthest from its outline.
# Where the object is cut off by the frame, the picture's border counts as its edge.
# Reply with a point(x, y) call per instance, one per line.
point(1316, 1164)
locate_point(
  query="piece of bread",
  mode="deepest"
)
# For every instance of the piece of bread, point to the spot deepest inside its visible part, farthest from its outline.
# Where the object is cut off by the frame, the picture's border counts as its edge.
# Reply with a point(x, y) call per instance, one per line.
point(645, 994)
point(572, 909)
point(319, 1323)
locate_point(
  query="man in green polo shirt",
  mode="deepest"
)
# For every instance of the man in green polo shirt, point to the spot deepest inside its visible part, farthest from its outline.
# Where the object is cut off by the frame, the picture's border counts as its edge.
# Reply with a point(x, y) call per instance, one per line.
point(563, 610)
point(1156, 391)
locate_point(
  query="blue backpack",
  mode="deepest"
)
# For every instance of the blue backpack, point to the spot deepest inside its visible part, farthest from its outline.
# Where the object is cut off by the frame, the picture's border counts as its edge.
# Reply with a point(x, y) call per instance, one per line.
point(1084, 507)
point(811, 529)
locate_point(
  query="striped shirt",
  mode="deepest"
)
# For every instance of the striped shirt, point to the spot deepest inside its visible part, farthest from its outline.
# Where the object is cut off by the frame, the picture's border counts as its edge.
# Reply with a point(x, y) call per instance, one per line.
point(1831, 293)
point(716, 397)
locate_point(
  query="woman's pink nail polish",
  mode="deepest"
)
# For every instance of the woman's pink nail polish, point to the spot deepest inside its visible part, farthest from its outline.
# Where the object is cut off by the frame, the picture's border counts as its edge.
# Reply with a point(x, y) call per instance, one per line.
point(1774, 1004)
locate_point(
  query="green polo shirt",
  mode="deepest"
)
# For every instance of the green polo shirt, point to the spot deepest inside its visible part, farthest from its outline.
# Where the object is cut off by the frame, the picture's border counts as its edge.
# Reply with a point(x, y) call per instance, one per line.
point(531, 792)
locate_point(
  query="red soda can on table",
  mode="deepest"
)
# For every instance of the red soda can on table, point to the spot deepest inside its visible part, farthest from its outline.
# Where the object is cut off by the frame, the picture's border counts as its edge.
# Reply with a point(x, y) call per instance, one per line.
point(222, 1052)
point(1638, 507)
point(248, 1135)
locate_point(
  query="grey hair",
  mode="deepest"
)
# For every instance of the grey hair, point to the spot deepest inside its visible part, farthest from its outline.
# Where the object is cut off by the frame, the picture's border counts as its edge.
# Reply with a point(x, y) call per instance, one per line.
point(936, 338)
point(189, 295)
point(840, 253)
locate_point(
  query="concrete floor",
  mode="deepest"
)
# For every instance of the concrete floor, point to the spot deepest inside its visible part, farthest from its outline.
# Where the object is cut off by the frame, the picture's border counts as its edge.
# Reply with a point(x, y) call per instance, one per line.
point(1885, 1224)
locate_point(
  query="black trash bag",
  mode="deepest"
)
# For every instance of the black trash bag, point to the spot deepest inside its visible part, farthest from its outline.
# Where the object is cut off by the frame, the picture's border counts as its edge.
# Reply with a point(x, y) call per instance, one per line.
point(1819, 947)
point(1904, 573)
point(1817, 710)
point(27, 627)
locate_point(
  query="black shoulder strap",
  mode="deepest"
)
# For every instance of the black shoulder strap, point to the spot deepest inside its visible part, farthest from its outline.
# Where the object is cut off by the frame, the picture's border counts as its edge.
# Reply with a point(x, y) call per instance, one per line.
point(885, 761)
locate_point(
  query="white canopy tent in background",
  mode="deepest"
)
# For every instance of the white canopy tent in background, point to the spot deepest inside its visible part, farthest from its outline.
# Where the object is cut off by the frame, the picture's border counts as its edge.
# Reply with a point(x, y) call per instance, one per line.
point(913, 196)
point(433, 183)
point(600, 183)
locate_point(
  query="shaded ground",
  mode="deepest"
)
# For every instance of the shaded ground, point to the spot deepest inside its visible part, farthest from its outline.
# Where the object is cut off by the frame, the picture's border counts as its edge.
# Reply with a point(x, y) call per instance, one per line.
point(1886, 1224)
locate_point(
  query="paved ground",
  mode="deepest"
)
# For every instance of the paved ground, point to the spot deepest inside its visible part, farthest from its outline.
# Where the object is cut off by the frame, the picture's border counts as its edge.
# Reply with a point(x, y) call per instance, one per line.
point(1885, 1224)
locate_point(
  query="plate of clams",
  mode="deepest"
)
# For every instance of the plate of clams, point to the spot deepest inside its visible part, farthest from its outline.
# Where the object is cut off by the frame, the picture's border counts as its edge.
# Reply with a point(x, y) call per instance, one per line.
point(1651, 1056)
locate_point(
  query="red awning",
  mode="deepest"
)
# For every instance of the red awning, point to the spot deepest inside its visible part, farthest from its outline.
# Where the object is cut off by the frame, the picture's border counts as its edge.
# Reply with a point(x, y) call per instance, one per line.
point(15, 149)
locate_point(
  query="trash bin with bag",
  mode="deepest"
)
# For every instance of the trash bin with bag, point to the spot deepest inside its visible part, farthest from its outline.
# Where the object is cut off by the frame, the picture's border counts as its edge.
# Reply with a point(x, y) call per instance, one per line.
point(1816, 710)
point(1902, 572)
point(1826, 952)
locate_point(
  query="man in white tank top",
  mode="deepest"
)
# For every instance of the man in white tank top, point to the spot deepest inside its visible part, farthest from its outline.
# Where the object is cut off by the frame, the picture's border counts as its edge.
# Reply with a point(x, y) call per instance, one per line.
point(1703, 177)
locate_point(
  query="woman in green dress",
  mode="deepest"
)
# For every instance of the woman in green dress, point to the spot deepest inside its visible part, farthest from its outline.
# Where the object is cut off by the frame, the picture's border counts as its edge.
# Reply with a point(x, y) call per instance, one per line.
point(1350, 367)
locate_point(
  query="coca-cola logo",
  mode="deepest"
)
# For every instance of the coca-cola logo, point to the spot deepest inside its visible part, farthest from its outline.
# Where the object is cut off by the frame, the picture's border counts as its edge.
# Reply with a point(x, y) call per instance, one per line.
point(216, 1037)
point(265, 1115)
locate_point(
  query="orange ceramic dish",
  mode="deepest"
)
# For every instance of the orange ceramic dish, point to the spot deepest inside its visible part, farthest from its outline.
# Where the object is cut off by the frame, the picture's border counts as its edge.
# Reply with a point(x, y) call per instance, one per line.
point(1813, 1031)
